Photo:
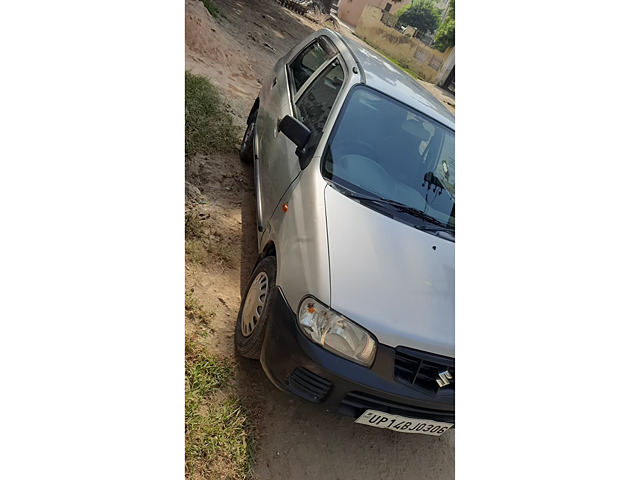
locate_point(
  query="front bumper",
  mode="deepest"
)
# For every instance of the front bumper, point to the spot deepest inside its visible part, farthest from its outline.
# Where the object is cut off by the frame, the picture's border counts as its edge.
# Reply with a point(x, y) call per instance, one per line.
point(295, 364)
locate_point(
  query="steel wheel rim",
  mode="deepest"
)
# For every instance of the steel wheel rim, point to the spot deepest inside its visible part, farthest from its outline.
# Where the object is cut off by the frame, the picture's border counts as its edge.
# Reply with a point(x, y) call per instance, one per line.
point(254, 304)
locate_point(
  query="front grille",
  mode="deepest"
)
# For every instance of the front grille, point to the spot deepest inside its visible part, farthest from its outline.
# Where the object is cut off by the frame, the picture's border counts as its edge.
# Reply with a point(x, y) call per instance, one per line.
point(355, 404)
point(421, 370)
point(308, 385)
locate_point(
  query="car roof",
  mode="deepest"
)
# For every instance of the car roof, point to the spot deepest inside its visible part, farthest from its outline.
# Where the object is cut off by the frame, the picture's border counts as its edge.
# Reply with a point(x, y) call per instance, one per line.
point(382, 75)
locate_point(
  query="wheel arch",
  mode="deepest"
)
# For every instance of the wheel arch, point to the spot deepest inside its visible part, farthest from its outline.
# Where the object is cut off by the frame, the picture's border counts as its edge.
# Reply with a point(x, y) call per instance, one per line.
point(254, 108)
point(269, 250)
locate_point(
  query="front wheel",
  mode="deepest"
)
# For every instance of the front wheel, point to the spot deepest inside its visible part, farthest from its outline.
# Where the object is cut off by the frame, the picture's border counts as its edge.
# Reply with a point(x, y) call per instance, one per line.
point(256, 309)
point(246, 149)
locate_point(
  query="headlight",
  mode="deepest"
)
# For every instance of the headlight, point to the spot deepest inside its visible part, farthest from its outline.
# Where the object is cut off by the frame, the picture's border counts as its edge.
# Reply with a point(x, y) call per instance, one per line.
point(336, 333)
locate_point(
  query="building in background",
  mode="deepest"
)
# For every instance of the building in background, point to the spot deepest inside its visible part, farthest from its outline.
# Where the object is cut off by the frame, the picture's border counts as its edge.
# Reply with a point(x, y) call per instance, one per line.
point(379, 29)
point(349, 11)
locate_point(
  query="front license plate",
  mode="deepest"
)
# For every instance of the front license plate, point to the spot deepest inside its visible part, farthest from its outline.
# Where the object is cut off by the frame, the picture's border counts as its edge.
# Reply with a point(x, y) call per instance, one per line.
point(374, 418)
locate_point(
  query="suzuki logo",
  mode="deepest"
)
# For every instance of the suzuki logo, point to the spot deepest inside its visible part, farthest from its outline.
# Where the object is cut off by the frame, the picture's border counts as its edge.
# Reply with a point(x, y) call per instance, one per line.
point(445, 378)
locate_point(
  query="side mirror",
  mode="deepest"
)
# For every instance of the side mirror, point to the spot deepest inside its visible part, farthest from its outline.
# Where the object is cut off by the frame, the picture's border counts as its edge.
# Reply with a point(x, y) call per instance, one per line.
point(296, 131)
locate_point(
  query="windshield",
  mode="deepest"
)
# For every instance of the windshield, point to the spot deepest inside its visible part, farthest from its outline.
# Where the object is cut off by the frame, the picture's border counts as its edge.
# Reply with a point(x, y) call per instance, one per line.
point(384, 148)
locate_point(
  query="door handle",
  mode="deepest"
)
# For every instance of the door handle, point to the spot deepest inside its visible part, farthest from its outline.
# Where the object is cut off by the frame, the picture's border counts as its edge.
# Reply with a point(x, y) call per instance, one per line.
point(275, 80)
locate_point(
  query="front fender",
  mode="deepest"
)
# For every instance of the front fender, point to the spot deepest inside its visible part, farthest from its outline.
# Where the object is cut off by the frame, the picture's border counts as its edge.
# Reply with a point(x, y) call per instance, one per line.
point(300, 238)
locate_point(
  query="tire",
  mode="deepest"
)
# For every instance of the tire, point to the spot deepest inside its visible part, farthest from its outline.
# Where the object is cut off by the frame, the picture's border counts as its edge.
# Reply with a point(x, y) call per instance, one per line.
point(259, 297)
point(246, 148)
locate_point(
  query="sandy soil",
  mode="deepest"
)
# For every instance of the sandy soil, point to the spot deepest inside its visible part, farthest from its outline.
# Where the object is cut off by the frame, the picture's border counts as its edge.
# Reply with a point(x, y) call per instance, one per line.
point(297, 439)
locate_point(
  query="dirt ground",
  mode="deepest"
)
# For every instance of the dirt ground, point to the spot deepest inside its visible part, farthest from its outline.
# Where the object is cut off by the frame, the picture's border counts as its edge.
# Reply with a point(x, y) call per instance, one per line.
point(297, 440)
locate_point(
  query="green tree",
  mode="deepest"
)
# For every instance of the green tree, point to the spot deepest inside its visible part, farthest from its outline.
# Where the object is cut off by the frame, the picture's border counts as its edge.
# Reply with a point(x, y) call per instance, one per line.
point(422, 14)
point(446, 34)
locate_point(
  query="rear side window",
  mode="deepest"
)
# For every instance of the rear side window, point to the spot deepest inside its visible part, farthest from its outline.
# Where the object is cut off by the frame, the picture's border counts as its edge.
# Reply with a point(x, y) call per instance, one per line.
point(307, 62)
point(315, 104)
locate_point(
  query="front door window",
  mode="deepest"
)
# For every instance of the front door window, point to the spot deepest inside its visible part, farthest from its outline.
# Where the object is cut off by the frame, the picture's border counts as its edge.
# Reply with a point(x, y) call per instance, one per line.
point(316, 102)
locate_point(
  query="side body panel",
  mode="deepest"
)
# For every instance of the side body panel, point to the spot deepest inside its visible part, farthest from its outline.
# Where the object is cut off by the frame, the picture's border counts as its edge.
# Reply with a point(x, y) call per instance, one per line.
point(300, 236)
point(278, 162)
point(273, 106)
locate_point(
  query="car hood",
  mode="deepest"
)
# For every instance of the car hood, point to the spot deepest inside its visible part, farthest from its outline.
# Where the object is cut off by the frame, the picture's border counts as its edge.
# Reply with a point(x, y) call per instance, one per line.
point(394, 280)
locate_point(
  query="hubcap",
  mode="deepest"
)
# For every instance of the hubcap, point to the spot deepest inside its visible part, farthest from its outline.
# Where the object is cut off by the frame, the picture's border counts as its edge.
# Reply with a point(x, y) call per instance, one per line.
point(254, 304)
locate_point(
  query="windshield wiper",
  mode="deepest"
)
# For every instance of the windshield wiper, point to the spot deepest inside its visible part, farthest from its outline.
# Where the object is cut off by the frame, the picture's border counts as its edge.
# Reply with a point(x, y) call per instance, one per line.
point(402, 208)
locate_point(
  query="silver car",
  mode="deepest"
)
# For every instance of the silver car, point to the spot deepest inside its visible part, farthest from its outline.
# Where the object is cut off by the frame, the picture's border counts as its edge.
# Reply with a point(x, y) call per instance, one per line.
point(351, 302)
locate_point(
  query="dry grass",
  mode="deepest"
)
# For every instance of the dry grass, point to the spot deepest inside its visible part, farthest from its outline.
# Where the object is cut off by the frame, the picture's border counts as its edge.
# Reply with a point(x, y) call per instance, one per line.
point(219, 434)
point(208, 126)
